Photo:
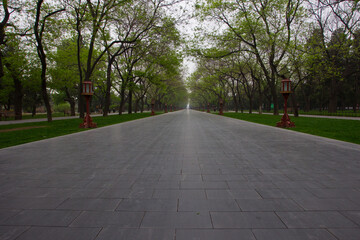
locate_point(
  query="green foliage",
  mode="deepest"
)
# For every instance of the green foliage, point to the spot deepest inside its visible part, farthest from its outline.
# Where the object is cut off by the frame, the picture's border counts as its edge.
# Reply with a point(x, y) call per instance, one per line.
point(63, 107)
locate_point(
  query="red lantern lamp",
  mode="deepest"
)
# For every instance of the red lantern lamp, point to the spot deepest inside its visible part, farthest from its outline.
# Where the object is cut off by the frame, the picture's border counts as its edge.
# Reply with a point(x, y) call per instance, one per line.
point(87, 91)
point(285, 91)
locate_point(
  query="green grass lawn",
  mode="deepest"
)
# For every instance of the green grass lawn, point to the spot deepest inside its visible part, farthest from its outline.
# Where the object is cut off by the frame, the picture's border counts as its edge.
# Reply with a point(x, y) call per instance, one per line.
point(345, 130)
point(29, 132)
point(346, 113)
point(39, 115)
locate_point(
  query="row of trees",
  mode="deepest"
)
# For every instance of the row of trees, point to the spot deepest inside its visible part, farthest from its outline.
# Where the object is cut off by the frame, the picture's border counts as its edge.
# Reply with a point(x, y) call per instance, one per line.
point(258, 43)
point(129, 50)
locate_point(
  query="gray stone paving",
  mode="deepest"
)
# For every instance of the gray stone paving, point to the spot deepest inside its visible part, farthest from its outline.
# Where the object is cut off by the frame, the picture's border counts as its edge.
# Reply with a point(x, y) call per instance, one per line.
point(182, 175)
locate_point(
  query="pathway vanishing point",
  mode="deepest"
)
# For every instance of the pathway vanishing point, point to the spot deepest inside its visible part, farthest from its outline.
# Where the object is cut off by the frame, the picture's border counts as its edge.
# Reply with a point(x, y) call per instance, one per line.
point(181, 176)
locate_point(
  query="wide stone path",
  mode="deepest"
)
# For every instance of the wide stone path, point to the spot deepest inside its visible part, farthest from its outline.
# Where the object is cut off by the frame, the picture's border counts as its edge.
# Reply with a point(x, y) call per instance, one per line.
point(183, 175)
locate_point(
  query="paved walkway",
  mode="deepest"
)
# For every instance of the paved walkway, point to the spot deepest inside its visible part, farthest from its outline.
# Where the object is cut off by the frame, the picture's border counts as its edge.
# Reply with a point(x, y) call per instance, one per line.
point(180, 176)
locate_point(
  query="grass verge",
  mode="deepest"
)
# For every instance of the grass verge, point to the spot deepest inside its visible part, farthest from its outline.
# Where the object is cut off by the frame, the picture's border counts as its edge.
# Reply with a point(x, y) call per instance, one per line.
point(15, 134)
point(345, 130)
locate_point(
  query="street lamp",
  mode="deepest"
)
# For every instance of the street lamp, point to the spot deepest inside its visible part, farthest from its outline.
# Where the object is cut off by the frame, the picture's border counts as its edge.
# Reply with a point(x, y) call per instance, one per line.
point(208, 108)
point(285, 91)
point(87, 92)
point(166, 108)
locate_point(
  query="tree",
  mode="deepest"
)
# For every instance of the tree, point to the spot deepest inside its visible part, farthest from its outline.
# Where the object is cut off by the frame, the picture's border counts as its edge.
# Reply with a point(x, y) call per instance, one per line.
point(39, 30)
point(263, 28)
point(3, 25)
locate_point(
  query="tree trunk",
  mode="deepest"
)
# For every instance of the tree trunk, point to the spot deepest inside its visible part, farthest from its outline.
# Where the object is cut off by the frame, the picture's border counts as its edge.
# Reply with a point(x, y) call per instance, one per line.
point(294, 104)
point(108, 88)
point(42, 56)
point(137, 105)
point(130, 101)
point(142, 105)
point(33, 112)
point(235, 104)
point(357, 93)
point(18, 99)
point(260, 99)
point(18, 92)
point(122, 99)
point(275, 99)
point(250, 104)
point(333, 96)
point(3, 25)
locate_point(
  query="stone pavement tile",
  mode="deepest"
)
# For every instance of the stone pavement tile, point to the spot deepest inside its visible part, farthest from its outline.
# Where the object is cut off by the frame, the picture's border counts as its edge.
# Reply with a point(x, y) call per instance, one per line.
point(99, 184)
point(267, 177)
point(250, 185)
point(5, 214)
point(148, 178)
point(115, 193)
point(43, 218)
point(176, 193)
point(293, 234)
point(299, 184)
point(115, 233)
point(268, 205)
point(181, 177)
point(117, 184)
point(325, 219)
point(349, 193)
point(208, 205)
point(29, 183)
point(214, 234)
point(30, 203)
point(221, 177)
point(86, 193)
point(284, 193)
point(232, 194)
point(353, 215)
point(40, 192)
point(59, 233)
point(141, 193)
point(197, 170)
point(157, 185)
point(346, 234)
point(317, 204)
point(170, 220)
point(246, 220)
point(11, 232)
point(341, 184)
point(65, 183)
point(239, 170)
point(148, 205)
point(209, 171)
point(244, 194)
point(90, 204)
point(203, 185)
point(104, 218)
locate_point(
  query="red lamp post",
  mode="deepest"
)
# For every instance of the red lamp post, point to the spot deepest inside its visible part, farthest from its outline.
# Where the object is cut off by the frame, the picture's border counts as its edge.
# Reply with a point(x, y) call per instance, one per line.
point(87, 92)
point(285, 91)
point(152, 107)
point(221, 107)
point(166, 108)
point(208, 108)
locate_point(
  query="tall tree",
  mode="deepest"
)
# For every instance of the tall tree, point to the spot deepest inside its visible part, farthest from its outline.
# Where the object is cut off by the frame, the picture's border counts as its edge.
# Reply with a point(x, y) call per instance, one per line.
point(39, 30)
